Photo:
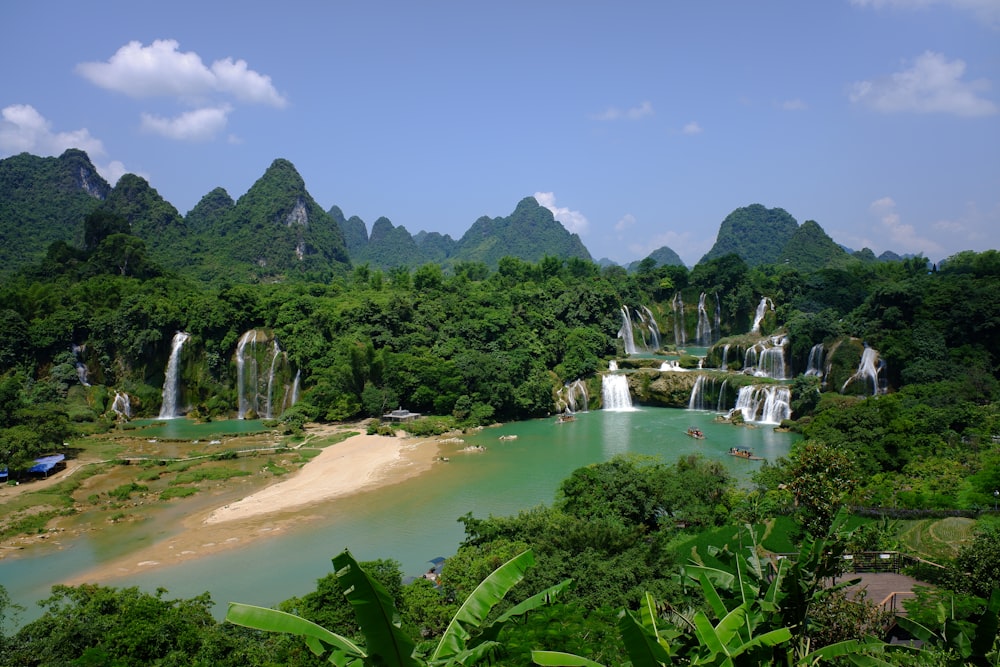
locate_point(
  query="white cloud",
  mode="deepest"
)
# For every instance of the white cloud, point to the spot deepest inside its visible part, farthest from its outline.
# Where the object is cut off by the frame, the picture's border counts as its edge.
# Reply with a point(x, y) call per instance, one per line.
point(692, 128)
point(794, 105)
point(627, 221)
point(24, 130)
point(987, 11)
point(197, 125)
point(574, 221)
point(161, 70)
point(903, 238)
point(635, 113)
point(932, 85)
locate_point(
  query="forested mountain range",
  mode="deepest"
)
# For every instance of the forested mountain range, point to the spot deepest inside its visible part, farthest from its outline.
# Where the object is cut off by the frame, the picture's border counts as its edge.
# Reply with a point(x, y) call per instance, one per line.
point(277, 231)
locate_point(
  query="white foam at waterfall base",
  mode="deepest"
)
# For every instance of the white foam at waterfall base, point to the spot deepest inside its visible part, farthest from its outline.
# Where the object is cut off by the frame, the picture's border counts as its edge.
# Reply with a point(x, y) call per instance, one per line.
point(615, 394)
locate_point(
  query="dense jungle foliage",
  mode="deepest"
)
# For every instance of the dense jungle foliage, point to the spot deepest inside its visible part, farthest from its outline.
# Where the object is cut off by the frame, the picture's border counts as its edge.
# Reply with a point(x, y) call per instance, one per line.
point(479, 344)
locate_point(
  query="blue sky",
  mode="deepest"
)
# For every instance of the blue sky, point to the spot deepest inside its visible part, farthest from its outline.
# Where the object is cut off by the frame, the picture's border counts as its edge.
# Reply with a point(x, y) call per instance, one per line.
point(640, 124)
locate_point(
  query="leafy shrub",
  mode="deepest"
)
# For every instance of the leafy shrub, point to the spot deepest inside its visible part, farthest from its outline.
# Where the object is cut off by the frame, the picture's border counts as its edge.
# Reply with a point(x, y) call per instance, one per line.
point(178, 492)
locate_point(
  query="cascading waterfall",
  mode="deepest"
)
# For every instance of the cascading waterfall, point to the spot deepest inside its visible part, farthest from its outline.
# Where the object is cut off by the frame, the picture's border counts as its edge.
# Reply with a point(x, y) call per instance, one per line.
point(765, 404)
point(265, 385)
point(766, 359)
point(295, 386)
point(722, 396)
point(614, 393)
point(672, 365)
point(761, 312)
point(625, 333)
point(612, 365)
point(704, 333)
point(573, 397)
point(122, 405)
point(81, 368)
point(725, 357)
point(680, 336)
point(718, 315)
point(697, 400)
point(815, 364)
point(704, 395)
point(276, 356)
point(868, 371)
point(246, 373)
point(654, 330)
point(171, 383)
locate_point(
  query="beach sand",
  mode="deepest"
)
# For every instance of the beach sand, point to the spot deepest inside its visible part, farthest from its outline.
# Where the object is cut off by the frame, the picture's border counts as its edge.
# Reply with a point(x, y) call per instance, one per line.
point(360, 463)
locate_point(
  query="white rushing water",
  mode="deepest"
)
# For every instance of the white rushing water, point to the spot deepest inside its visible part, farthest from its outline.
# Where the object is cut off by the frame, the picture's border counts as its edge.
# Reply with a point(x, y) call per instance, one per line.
point(171, 382)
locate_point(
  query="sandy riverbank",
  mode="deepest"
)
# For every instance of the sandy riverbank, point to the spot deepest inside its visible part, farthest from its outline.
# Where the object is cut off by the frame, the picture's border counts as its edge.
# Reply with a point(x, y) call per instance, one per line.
point(360, 463)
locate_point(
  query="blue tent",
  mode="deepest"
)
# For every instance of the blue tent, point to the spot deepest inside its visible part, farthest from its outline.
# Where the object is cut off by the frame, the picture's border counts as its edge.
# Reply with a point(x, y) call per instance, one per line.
point(45, 464)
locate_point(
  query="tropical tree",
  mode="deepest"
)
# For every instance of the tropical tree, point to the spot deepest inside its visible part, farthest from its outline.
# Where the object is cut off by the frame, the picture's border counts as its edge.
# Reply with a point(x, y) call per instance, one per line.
point(379, 621)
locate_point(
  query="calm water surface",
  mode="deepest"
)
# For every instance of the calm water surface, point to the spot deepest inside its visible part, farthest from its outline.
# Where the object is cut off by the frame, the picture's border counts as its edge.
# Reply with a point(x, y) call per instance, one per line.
point(414, 520)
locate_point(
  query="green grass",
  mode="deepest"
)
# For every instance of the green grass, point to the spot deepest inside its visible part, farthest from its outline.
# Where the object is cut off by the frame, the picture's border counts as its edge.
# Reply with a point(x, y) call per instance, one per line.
point(211, 474)
point(936, 540)
point(28, 525)
point(178, 492)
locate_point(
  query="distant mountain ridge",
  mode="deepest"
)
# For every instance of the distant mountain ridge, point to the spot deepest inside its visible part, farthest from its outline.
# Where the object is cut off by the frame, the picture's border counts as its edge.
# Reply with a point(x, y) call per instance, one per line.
point(276, 230)
point(529, 233)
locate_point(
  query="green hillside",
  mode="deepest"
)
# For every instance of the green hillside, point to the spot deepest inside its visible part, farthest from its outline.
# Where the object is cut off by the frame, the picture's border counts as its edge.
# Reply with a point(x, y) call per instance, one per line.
point(755, 233)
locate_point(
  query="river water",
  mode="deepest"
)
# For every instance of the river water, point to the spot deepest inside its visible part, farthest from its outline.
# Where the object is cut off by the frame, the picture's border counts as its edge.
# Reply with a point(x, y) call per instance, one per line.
point(414, 520)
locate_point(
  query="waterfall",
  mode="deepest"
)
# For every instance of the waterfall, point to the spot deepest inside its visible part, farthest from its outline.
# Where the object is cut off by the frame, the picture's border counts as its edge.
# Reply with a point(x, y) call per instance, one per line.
point(868, 370)
point(269, 411)
point(718, 315)
point(704, 323)
point(122, 405)
point(725, 357)
point(697, 400)
point(81, 368)
point(246, 374)
point(766, 359)
point(680, 337)
point(672, 365)
point(295, 387)
point(720, 407)
point(815, 363)
point(654, 330)
point(171, 383)
point(573, 397)
point(615, 394)
point(612, 365)
point(761, 312)
point(625, 333)
point(765, 404)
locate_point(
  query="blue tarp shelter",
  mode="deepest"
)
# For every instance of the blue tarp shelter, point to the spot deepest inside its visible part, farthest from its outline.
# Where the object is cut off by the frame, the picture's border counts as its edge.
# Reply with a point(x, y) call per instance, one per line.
point(45, 464)
point(3, 474)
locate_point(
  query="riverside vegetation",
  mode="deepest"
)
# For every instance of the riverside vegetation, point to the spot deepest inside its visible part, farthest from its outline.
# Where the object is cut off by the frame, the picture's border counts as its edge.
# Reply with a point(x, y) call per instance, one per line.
point(900, 422)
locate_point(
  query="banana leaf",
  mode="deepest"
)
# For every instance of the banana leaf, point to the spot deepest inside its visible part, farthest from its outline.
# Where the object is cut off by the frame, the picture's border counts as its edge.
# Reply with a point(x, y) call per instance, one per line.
point(376, 614)
point(477, 606)
point(558, 659)
point(316, 636)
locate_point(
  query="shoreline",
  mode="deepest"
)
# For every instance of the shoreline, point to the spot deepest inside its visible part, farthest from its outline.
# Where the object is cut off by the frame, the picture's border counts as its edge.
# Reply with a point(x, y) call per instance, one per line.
point(359, 464)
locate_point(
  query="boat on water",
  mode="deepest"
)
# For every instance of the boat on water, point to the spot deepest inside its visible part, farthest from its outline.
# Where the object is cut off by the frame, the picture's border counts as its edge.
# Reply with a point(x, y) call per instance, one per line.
point(564, 418)
point(696, 433)
point(744, 454)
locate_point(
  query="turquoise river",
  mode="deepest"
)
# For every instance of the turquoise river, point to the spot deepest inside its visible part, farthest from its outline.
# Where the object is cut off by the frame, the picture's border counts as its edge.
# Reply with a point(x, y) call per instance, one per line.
point(414, 520)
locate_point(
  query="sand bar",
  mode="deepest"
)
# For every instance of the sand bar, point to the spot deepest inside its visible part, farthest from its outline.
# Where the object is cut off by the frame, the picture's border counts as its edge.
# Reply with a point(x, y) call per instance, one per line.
point(359, 464)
